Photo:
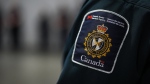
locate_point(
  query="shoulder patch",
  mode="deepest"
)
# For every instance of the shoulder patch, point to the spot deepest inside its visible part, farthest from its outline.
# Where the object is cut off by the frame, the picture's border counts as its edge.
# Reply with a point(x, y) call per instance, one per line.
point(99, 40)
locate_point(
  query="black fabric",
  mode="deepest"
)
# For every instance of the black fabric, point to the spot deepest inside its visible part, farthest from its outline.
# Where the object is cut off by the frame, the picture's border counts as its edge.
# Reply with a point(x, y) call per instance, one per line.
point(133, 64)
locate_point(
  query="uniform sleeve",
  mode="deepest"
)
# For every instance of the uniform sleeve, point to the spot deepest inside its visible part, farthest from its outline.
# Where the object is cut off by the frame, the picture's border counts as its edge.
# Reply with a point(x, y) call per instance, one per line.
point(146, 74)
point(145, 78)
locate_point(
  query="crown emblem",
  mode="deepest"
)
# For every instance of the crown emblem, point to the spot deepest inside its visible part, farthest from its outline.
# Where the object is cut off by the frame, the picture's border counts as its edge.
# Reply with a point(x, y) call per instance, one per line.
point(102, 28)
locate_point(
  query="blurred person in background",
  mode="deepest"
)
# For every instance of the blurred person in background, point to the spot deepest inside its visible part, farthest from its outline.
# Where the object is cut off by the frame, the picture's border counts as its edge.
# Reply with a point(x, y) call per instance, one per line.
point(109, 43)
point(14, 23)
point(0, 28)
point(44, 27)
point(63, 21)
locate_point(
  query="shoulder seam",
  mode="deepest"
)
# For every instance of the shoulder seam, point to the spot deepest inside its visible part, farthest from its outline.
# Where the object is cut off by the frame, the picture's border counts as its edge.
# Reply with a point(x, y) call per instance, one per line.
point(134, 3)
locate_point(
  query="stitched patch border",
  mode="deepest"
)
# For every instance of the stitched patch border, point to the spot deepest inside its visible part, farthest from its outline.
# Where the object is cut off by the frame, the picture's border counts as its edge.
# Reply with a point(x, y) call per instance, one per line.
point(98, 43)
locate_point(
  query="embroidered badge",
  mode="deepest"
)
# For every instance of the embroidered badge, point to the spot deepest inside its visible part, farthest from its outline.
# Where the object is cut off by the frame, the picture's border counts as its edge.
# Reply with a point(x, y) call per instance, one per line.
point(97, 43)
point(100, 39)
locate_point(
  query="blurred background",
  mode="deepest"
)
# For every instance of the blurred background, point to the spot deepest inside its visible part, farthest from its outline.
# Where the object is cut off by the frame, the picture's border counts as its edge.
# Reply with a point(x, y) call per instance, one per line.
point(32, 37)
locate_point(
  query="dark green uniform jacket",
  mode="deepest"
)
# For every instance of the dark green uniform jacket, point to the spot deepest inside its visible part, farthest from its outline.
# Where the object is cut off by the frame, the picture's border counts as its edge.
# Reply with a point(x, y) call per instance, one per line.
point(109, 44)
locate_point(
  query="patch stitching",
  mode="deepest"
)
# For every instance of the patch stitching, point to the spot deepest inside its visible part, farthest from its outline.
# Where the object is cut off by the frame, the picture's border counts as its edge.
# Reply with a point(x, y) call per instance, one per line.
point(101, 10)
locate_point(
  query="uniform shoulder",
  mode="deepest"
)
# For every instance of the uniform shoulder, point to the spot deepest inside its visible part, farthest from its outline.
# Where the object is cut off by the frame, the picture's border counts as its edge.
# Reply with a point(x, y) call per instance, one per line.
point(141, 3)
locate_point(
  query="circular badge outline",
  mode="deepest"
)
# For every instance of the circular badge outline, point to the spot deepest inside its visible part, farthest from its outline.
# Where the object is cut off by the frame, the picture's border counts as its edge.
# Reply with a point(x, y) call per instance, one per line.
point(106, 44)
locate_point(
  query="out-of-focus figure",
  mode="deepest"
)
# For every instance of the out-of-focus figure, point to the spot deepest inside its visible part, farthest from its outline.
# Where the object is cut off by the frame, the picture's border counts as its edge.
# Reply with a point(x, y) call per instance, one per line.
point(0, 28)
point(14, 22)
point(44, 26)
point(63, 25)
